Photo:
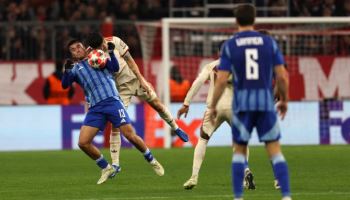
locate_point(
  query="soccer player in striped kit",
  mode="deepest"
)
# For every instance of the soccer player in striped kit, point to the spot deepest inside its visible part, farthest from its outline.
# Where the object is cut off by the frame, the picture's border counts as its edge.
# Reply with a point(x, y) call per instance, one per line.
point(252, 58)
point(130, 82)
point(105, 105)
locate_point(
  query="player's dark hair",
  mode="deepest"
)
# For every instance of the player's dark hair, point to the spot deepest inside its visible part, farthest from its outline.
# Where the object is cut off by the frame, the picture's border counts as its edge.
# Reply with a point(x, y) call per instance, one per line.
point(245, 14)
point(70, 43)
point(94, 40)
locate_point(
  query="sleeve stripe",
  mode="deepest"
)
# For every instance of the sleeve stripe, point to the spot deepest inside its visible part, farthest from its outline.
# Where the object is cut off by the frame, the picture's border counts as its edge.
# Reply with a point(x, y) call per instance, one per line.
point(125, 52)
point(227, 51)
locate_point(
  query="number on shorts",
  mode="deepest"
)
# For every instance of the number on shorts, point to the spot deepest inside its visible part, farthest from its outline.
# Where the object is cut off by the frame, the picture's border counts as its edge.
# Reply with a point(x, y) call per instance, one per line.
point(121, 113)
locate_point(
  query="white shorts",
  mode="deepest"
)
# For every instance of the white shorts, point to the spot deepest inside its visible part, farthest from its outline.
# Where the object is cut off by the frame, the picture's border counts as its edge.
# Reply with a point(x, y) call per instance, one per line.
point(223, 115)
point(133, 88)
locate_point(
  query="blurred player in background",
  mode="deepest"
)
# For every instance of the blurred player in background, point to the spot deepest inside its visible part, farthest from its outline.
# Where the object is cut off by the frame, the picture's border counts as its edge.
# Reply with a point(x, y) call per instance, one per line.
point(224, 114)
point(105, 105)
point(252, 58)
point(130, 82)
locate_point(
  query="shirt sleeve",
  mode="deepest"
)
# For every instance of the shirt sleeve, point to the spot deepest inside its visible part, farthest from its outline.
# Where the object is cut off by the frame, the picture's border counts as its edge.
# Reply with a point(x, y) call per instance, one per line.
point(225, 58)
point(120, 46)
point(277, 55)
point(68, 78)
point(112, 64)
point(196, 85)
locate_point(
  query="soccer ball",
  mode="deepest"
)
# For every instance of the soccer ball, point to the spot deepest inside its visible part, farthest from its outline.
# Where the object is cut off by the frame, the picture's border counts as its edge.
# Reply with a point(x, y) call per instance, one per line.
point(97, 59)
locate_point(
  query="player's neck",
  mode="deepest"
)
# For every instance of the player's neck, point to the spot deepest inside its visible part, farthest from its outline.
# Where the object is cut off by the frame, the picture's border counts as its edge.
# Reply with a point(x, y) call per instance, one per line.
point(245, 28)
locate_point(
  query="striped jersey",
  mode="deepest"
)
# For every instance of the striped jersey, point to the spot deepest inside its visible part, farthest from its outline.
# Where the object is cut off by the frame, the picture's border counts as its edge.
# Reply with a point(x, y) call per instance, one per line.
point(98, 84)
point(251, 57)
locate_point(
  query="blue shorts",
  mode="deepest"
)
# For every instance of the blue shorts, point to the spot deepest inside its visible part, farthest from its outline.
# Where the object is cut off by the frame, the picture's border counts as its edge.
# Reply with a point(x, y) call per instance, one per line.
point(266, 124)
point(111, 110)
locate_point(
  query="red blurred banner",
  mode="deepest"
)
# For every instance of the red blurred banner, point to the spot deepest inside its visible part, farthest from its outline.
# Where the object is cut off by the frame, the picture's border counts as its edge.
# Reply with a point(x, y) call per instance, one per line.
point(311, 78)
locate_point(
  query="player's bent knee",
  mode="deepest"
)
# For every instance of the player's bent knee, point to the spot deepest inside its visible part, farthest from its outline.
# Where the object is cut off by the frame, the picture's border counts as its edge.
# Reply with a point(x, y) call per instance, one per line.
point(83, 144)
point(273, 148)
point(127, 130)
point(240, 148)
point(115, 132)
point(204, 135)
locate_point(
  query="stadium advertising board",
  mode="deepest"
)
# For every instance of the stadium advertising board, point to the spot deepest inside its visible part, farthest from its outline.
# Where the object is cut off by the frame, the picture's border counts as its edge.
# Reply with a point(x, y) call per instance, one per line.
point(311, 78)
point(57, 127)
point(30, 128)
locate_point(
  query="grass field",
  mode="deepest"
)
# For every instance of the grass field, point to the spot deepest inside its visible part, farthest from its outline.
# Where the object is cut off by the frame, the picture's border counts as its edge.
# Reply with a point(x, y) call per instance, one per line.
point(317, 173)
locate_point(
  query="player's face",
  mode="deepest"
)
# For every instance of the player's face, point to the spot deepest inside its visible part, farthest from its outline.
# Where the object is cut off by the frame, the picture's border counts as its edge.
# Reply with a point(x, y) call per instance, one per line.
point(78, 51)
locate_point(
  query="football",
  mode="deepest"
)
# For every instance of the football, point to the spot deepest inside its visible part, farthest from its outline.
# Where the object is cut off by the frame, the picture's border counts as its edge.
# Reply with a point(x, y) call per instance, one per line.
point(97, 59)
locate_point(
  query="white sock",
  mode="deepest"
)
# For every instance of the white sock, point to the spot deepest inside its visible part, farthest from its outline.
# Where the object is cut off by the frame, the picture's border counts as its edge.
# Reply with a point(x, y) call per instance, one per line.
point(247, 158)
point(168, 118)
point(199, 153)
point(115, 144)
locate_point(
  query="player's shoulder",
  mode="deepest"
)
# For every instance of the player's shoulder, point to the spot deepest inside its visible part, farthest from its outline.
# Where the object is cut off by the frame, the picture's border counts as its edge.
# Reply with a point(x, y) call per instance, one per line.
point(210, 66)
point(266, 36)
point(118, 42)
point(113, 39)
point(213, 64)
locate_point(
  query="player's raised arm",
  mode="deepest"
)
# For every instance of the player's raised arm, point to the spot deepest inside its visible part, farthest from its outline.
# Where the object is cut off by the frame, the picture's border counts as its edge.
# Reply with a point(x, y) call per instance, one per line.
point(196, 85)
point(113, 64)
point(68, 76)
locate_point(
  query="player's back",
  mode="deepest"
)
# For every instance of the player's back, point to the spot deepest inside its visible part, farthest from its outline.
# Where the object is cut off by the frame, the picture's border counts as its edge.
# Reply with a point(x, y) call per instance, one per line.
point(225, 102)
point(253, 57)
point(124, 74)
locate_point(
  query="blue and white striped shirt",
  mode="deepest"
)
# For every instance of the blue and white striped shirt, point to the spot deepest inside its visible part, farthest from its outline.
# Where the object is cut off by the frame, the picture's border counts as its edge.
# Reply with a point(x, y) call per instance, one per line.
point(98, 84)
point(251, 57)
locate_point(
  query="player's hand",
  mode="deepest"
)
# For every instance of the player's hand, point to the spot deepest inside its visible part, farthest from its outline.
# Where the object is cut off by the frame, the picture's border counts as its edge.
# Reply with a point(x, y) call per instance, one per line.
point(183, 110)
point(68, 64)
point(212, 115)
point(282, 107)
point(110, 46)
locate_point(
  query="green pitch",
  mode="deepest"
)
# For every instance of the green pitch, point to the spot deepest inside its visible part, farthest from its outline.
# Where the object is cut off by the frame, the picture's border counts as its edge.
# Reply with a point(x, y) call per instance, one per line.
point(317, 173)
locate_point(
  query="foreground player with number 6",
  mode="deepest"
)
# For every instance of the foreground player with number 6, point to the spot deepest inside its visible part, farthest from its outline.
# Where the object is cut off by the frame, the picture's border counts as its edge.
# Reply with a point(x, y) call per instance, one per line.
point(105, 105)
point(252, 58)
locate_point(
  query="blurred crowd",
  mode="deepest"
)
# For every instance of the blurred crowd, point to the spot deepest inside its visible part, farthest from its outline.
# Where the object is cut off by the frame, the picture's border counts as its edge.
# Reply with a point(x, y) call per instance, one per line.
point(23, 41)
point(74, 10)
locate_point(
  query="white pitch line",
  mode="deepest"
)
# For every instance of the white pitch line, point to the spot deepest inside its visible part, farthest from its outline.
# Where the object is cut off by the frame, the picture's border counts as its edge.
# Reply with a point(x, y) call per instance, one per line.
point(215, 196)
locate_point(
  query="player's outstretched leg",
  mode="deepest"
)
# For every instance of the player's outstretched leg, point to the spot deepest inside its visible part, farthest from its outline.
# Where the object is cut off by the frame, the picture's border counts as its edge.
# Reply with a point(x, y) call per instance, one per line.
point(280, 168)
point(87, 133)
point(115, 144)
point(134, 139)
point(198, 157)
point(165, 114)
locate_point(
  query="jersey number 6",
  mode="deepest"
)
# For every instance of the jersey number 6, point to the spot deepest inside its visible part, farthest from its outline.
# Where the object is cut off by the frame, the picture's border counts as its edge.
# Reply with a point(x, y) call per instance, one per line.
point(251, 66)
